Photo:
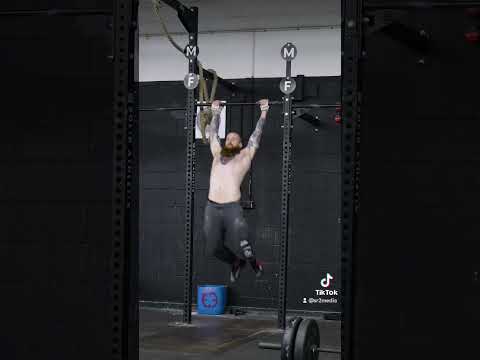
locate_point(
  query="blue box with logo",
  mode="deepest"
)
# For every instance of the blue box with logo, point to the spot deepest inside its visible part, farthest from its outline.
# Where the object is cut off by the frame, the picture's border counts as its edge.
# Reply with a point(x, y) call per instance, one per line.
point(211, 299)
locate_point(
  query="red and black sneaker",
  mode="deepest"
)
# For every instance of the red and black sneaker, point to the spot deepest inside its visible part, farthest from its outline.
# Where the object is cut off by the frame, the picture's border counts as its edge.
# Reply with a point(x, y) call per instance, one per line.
point(237, 266)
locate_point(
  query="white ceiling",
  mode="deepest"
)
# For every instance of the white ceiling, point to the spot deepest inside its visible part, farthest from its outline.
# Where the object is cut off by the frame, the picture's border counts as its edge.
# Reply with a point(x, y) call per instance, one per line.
point(231, 15)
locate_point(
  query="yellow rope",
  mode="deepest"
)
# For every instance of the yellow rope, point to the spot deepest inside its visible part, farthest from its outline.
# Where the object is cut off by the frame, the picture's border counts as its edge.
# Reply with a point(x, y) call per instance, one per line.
point(156, 9)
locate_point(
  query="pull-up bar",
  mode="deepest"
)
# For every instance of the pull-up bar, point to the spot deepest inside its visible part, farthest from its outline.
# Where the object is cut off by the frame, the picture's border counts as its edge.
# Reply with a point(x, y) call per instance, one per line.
point(274, 103)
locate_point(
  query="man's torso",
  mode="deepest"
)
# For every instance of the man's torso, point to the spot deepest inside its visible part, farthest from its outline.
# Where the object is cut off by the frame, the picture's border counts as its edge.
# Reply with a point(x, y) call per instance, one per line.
point(226, 176)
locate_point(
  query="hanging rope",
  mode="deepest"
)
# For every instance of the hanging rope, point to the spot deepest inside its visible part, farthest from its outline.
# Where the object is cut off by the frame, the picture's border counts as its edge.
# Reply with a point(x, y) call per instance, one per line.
point(205, 112)
point(156, 9)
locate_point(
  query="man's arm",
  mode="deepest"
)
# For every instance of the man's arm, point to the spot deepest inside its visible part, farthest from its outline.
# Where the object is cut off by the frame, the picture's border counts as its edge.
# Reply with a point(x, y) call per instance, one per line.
point(215, 146)
point(254, 141)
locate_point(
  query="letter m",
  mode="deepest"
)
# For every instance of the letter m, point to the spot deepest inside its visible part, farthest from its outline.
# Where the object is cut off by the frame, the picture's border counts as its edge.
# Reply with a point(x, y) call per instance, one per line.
point(289, 52)
point(191, 51)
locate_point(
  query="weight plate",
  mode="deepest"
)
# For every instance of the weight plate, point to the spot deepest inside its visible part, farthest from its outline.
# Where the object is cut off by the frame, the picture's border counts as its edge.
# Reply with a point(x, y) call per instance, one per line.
point(288, 341)
point(307, 341)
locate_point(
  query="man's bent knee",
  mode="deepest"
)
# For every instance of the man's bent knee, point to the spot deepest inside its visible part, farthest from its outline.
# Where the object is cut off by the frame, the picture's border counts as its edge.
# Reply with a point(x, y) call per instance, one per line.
point(246, 249)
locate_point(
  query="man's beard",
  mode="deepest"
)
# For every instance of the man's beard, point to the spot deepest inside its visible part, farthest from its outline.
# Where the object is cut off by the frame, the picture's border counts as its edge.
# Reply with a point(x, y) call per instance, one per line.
point(230, 152)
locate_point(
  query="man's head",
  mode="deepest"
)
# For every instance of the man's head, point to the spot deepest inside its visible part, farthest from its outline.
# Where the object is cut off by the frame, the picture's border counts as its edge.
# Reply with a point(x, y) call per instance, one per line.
point(233, 145)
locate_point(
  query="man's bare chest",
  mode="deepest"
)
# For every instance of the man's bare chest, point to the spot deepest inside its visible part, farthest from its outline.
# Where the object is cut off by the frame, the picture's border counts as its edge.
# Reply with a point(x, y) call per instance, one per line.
point(233, 164)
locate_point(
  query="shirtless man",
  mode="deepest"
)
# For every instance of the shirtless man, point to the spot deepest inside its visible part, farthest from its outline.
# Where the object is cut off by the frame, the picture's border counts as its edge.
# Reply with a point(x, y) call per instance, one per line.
point(223, 212)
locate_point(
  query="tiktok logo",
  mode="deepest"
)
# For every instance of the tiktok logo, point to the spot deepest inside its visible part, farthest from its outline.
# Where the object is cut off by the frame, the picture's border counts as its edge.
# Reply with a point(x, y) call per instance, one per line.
point(326, 281)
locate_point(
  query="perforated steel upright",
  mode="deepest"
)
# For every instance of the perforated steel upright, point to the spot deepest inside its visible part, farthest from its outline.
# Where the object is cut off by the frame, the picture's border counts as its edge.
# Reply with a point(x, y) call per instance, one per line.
point(190, 175)
point(132, 188)
point(284, 220)
point(352, 16)
point(123, 66)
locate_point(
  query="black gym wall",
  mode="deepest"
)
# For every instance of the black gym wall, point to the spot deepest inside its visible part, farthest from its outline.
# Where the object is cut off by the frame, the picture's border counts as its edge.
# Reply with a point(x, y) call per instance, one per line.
point(416, 253)
point(59, 87)
point(314, 213)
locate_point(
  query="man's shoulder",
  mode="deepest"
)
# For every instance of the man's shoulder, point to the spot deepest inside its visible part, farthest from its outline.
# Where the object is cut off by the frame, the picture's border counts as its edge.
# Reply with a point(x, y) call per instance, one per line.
point(246, 154)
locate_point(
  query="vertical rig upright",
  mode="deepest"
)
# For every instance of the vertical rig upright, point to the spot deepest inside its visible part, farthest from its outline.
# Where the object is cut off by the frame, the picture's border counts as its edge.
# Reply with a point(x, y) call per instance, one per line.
point(132, 187)
point(352, 14)
point(188, 16)
point(287, 86)
point(191, 23)
point(123, 24)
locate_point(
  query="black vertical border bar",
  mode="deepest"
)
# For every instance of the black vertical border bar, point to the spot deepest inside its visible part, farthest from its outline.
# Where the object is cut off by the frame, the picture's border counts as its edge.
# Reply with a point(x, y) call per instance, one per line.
point(284, 221)
point(351, 55)
point(133, 190)
point(123, 11)
point(190, 179)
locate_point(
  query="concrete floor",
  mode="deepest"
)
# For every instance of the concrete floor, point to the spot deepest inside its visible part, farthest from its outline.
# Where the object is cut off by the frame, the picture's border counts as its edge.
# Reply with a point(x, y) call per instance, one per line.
point(163, 336)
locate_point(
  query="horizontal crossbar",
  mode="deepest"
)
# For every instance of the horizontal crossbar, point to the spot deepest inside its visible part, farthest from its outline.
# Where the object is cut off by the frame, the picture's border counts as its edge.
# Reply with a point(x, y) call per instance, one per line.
point(295, 106)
